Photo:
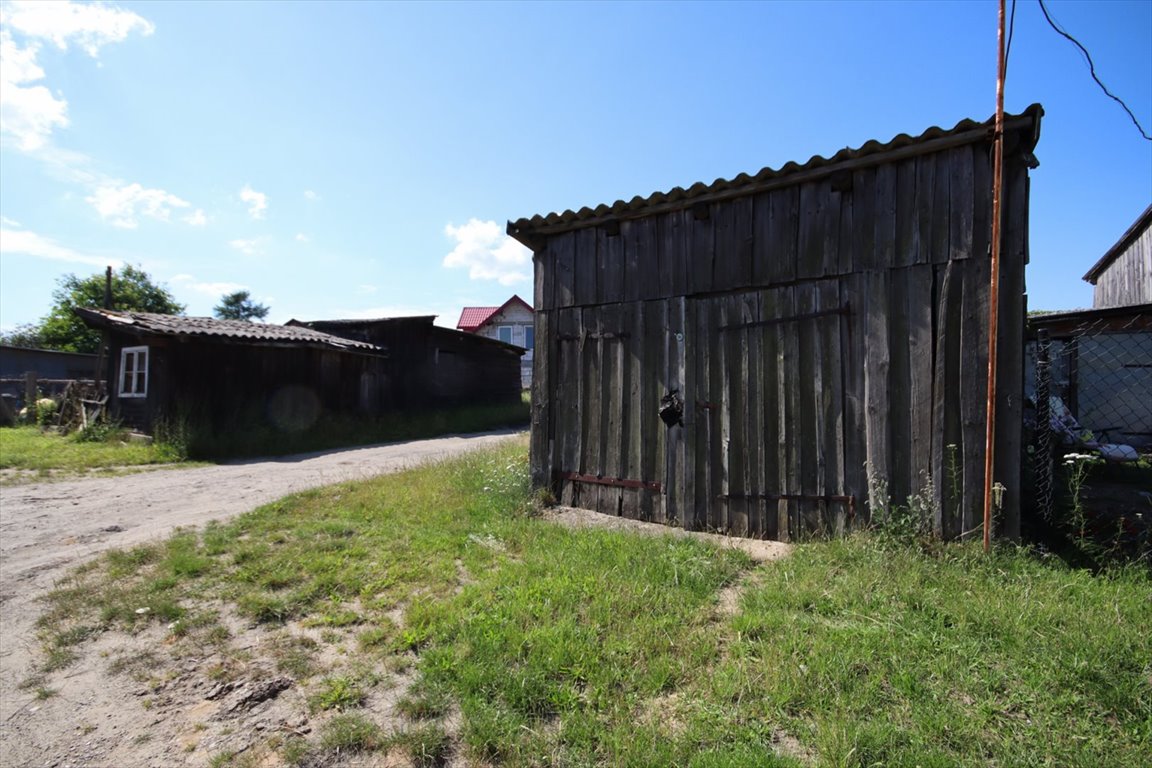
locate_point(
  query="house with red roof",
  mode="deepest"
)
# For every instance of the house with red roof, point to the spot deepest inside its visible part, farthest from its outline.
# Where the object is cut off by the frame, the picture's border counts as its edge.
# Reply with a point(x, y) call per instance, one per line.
point(512, 322)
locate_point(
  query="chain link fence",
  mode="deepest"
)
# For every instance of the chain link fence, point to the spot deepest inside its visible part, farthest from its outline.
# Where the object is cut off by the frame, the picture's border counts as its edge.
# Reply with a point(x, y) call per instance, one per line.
point(1088, 383)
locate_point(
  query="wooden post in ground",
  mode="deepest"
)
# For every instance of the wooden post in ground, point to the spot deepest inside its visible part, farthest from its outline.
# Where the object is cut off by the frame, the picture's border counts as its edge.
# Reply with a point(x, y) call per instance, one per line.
point(30, 394)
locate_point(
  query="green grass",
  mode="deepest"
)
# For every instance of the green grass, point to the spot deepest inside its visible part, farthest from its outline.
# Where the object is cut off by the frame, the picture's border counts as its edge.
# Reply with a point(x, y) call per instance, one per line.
point(46, 453)
point(29, 448)
point(584, 648)
point(887, 654)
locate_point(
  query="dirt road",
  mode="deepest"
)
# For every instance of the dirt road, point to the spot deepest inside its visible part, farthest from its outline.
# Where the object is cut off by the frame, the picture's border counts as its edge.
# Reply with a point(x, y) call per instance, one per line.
point(47, 528)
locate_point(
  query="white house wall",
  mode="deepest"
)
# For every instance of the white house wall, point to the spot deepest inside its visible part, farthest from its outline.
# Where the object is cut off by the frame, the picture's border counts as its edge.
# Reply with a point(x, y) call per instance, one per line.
point(519, 319)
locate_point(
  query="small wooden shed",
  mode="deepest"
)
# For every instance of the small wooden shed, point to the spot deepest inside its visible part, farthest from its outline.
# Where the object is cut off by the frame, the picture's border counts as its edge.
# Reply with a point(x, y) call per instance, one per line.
point(1123, 276)
point(227, 371)
point(777, 354)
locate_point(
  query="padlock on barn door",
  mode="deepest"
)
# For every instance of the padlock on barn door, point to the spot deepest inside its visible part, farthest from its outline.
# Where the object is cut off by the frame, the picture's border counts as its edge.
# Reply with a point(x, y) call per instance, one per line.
point(672, 409)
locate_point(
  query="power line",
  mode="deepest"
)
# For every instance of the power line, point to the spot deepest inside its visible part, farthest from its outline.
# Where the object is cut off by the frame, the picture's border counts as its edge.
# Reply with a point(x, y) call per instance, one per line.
point(1092, 69)
point(1011, 29)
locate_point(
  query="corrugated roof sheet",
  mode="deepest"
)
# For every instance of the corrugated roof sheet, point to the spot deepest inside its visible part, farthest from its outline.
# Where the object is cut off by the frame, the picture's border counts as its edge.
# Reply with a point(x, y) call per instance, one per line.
point(212, 328)
point(524, 228)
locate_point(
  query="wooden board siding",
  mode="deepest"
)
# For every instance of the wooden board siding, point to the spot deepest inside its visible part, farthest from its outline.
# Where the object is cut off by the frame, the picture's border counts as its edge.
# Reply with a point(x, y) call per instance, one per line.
point(223, 383)
point(1128, 279)
point(828, 340)
point(220, 385)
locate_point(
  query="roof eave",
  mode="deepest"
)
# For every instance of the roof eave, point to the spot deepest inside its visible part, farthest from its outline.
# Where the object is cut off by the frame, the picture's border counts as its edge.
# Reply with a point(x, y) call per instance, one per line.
point(534, 232)
point(1143, 221)
point(97, 319)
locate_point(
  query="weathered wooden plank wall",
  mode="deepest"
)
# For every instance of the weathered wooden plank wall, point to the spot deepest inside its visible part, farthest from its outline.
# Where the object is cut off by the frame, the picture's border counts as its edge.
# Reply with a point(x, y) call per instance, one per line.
point(1128, 279)
point(828, 339)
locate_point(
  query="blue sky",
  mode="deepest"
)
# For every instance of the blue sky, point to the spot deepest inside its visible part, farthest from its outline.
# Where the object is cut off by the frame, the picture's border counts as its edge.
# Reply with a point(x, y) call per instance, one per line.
point(361, 159)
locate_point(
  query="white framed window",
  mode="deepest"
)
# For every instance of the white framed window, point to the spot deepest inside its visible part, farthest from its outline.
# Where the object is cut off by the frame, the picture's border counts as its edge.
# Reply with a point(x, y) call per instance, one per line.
point(134, 372)
point(504, 333)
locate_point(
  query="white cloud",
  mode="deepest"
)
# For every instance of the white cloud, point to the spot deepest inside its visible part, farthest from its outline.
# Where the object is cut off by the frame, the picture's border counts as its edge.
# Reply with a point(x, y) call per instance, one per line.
point(71, 167)
point(123, 204)
point(364, 290)
point(113, 198)
point(89, 25)
point(20, 63)
point(302, 238)
point(24, 243)
point(488, 253)
point(30, 113)
point(310, 195)
point(9, 222)
point(208, 289)
point(248, 246)
point(257, 201)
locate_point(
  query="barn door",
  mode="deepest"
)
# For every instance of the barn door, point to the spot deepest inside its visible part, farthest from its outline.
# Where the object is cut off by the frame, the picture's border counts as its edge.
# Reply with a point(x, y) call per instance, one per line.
point(768, 439)
point(608, 450)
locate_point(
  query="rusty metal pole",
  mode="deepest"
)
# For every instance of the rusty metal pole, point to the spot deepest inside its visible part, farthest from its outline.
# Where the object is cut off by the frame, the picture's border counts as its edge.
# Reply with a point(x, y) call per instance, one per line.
point(994, 284)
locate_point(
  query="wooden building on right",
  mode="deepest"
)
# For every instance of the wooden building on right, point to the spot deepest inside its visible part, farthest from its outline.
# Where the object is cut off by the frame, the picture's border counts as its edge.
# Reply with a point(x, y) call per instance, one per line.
point(1123, 276)
point(788, 353)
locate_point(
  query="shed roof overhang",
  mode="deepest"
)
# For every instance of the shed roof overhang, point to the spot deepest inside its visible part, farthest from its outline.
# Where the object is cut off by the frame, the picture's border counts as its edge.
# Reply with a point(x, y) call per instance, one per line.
point(1022, 132)
point(1135, 317)
point(212, 330)
point(1143, 221)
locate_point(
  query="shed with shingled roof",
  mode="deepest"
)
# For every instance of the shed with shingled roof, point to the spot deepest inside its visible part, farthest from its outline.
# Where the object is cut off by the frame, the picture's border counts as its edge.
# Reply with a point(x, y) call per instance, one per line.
point(228, 372)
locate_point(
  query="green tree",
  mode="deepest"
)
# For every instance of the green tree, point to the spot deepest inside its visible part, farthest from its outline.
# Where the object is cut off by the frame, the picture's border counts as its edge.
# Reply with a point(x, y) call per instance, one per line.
point(23, 335)
point(132, 290)
point(240, 306)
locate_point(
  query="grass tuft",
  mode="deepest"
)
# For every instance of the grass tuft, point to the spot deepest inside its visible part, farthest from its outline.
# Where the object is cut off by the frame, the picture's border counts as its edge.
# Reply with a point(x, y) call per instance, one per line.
point(426, 746)
point(351, 733)
point(339, 693)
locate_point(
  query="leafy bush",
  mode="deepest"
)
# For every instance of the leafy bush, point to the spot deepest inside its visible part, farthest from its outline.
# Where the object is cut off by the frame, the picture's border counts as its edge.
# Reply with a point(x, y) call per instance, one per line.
point(100, 432)
point(46, 409)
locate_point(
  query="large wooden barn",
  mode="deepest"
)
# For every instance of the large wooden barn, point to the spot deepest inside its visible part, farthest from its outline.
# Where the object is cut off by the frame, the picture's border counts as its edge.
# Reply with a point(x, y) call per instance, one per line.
point(774, 355)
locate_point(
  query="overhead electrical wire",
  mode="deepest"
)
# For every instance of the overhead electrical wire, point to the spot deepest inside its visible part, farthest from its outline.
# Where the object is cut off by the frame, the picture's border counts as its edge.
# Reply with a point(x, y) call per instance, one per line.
point(1092, 69)
point(1011, 29)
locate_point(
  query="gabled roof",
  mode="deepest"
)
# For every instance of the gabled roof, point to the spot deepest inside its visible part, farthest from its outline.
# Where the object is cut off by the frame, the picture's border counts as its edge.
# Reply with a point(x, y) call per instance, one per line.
point(1142, 223)
point(529, 230)
point(472, 318)
point(209, 328)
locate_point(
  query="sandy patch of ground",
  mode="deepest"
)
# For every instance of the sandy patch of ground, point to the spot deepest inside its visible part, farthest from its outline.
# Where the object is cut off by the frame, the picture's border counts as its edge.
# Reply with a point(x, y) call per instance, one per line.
point(759, 550)
point(108, 713)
